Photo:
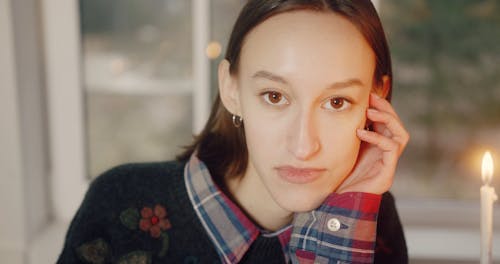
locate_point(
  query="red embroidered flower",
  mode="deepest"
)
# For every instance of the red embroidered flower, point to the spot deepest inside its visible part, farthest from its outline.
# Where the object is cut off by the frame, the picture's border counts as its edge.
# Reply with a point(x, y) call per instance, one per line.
point(154, 220)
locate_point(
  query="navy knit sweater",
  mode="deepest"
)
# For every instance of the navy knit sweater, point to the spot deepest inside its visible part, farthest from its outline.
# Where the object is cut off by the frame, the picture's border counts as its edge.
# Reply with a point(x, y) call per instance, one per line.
point(108, 229)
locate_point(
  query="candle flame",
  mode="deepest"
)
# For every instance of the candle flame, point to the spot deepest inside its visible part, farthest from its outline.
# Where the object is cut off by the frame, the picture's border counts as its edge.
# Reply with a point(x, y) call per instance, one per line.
point(487, 168)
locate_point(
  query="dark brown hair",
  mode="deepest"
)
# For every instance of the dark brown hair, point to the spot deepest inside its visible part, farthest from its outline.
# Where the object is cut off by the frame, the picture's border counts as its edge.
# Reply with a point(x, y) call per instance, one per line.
point(220, 145)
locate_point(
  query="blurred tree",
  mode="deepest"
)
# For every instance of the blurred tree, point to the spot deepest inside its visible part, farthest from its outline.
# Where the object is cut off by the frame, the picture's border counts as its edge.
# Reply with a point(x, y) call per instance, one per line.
point(450, 50)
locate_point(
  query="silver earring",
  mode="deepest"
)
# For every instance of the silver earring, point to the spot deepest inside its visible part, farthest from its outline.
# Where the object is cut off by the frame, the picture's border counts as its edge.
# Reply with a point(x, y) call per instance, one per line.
point(237, 121)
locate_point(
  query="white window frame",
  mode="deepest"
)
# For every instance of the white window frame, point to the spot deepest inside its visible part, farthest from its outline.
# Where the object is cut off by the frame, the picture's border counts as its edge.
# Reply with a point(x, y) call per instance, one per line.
point(69, 179)
point(65, 96)
point(63, 62)
point(65, 105)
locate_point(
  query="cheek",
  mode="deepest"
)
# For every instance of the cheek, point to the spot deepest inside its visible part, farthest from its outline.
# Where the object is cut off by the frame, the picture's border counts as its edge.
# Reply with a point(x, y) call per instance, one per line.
point(263, 127)
point(338, 136)
point(263, 133)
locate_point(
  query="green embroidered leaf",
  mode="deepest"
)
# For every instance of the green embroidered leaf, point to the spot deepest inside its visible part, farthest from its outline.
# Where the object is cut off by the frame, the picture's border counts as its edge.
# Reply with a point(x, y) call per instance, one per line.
point(135, 257)
point(95, 252)
point(164, 245)
point(130, 218)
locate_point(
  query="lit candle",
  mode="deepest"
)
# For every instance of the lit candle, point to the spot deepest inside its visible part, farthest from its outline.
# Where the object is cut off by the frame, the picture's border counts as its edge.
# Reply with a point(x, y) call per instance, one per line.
point(488, 196)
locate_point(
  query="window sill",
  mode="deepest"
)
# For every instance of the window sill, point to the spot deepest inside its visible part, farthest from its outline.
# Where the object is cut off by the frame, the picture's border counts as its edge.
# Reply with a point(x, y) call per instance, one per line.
point(441, 243)
point(442, 229)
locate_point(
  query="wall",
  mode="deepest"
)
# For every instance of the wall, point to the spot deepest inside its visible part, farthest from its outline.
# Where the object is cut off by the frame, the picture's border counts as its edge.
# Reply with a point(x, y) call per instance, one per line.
point(24, 204)
point(12, 233)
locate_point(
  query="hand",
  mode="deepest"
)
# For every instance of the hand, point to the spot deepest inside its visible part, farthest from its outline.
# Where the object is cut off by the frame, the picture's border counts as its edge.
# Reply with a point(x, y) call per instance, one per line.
point(379, 152)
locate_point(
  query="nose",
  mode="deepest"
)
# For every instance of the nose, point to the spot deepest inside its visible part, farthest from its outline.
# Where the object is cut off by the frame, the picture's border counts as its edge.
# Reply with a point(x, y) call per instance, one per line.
point(303, 141)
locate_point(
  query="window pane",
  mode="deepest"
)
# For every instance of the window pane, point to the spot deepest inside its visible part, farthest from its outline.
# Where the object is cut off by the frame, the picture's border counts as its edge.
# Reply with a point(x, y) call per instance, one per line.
point(138, 77)
point(447, 90)
point(137, 57)
point(223, 14)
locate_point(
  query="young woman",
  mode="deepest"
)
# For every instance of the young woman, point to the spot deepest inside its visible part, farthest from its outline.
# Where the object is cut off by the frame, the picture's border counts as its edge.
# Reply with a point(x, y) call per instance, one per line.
point(293, 165)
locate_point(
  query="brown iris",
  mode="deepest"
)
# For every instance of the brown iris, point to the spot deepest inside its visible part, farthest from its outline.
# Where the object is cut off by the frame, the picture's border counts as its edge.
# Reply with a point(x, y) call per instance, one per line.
point(337, 103)
point(274, 97)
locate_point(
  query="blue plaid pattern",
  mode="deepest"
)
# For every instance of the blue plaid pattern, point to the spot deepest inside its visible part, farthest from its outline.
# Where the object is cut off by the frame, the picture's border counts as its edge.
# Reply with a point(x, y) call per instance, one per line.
point(230, 230)
point(314, 239)
point(310, 238)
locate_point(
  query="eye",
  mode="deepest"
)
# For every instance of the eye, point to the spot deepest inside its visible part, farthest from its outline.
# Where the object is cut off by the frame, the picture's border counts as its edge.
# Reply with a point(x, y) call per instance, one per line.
point(337, 104)
point(274, 98)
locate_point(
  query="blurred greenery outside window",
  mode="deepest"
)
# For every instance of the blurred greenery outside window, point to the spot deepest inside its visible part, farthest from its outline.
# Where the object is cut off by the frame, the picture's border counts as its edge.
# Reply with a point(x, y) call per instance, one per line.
point(447, 91)
point(138, 77)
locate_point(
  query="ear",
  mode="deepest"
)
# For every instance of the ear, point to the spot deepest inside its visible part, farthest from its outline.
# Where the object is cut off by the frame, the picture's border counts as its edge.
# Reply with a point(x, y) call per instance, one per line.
point(386, 87)
point(228, 89)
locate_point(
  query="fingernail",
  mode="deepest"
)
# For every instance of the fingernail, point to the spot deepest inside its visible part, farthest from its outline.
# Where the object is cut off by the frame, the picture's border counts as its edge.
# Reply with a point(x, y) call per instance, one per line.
point(372, 111)
point(376, 95)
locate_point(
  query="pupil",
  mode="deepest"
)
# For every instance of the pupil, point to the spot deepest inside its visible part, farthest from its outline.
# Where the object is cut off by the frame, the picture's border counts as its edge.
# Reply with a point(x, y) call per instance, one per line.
point(275, 97)
point(337, 103)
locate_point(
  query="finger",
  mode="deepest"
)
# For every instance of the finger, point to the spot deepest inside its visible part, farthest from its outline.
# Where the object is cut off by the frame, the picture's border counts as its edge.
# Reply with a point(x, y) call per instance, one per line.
point(394, 126)
point(381, 128)
point(384, 143)
point(389, 148)
point(391, 127)
point(381, 104)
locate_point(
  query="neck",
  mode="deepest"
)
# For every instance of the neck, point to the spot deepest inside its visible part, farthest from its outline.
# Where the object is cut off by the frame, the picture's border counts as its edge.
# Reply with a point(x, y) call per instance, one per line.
point(251, 194)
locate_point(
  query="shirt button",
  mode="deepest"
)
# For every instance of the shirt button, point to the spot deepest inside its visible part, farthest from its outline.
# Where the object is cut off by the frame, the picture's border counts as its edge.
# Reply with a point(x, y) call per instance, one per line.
point(333, 224)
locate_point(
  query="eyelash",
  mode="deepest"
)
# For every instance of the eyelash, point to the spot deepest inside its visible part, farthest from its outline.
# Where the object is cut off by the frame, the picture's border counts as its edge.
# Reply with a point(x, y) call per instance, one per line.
point(346, 103)
point(265, 97)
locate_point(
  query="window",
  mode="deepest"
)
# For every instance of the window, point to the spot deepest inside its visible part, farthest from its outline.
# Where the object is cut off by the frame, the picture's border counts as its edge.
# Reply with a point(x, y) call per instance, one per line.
point(447, 90)
point(138, 76)
point(138, 80)
point(135, 64)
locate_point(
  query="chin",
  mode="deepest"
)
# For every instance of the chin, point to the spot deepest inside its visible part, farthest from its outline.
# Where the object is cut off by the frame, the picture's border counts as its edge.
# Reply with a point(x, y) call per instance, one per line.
point(300, 201)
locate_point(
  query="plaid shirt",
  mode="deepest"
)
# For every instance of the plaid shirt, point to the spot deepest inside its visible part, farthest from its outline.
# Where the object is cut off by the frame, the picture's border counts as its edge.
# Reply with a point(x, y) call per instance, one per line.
point(341, 230)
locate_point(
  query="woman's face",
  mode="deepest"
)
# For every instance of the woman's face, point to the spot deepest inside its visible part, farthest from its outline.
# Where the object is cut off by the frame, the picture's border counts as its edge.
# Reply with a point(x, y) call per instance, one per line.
point(302, 88)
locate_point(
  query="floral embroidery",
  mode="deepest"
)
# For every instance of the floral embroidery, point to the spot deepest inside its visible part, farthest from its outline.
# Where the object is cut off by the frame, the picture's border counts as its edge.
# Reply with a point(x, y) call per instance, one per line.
point(129, 218)
point(154, 221)
point(96, 251)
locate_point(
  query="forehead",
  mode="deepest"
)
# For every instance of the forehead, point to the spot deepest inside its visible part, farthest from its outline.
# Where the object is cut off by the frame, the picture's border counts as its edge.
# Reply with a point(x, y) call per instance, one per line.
point(307, 41)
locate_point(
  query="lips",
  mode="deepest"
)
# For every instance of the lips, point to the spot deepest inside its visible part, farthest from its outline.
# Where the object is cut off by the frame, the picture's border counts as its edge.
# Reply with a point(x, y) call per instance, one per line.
point(299, 175)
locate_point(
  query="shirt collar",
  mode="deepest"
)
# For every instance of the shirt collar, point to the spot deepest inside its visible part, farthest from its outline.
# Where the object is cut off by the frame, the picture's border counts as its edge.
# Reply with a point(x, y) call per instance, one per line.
point(227, 226)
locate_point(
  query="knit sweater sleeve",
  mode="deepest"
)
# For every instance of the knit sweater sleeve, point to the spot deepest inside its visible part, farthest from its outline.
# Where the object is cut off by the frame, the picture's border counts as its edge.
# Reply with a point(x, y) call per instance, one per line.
point(137, 213)
point(87, 240)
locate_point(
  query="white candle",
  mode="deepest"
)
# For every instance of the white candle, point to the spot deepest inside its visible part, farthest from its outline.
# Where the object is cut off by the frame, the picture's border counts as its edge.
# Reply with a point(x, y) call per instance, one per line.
point(488, 196)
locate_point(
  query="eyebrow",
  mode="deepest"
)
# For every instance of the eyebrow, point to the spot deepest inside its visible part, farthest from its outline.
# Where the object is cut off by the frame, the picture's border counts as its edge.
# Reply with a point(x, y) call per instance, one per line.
point(269, 76)
point(336, 85)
